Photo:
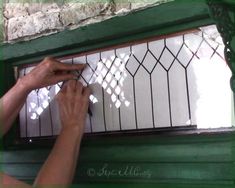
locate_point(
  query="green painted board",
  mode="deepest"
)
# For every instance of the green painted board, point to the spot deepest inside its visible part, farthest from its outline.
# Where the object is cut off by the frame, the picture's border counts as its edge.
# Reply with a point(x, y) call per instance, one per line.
point(205, 159)
point(163, 19)
point(137, 172)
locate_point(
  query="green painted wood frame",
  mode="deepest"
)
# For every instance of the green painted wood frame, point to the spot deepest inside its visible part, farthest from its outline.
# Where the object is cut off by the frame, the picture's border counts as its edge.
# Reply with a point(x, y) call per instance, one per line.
point(163, 152)
point(160, 20)
point(163, 19)
point(171, 160)
point(154, 21)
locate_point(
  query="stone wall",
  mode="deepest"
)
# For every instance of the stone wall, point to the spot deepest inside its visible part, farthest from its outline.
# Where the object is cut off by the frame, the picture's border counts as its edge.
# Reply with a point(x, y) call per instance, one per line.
point(25, 20)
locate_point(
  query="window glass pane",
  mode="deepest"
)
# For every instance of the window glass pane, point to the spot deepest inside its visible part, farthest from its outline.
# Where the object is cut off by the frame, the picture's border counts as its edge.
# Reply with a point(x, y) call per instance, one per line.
point(172, 82)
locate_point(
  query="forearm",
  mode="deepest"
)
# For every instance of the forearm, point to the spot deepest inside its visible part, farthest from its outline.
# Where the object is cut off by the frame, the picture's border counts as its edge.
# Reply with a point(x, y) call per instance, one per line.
point(8, 181)
point(60, 166)
point(11, 103)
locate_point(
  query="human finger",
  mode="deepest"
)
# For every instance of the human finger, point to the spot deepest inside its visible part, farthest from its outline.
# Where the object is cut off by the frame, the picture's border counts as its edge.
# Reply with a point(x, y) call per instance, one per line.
point(68, 67)
point(86, 92)
point(64, 77)
point(71, 86)
point(62, 72)
point(79, 88)
point(63, 88)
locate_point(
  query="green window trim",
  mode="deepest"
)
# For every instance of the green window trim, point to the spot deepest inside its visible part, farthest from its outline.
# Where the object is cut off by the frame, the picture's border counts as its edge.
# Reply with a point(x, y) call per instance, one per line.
point(163, 19)
point(192, 160)
point(159, 20)
point(224, 15)
point(146, 149)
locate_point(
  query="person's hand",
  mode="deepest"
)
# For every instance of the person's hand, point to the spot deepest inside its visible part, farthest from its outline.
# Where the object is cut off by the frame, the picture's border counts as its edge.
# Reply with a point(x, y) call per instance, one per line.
point(49, 72)
point(73, 100)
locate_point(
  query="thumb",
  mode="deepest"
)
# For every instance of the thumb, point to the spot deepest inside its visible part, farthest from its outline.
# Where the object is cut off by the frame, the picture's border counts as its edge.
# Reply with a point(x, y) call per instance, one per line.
point(68, 67)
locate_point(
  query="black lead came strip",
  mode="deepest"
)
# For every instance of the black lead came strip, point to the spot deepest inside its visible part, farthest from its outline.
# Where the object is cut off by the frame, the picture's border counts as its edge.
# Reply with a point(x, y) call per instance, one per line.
point(164, 48)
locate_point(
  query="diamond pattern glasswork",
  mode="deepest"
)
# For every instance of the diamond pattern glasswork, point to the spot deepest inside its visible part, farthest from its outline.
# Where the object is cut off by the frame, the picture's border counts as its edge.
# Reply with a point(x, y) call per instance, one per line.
point(171, 82)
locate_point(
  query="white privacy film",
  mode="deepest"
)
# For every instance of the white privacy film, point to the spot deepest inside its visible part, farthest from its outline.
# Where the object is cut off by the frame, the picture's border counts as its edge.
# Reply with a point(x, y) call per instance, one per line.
point(172, 82)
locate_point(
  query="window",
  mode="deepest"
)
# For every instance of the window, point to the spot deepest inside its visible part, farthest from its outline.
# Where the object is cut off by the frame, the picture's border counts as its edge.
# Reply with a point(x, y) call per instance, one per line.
point(150, 160)
point(168, 82)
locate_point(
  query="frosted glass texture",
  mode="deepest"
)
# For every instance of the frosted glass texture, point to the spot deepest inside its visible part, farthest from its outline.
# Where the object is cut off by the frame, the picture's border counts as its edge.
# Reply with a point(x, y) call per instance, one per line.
point(167, 83)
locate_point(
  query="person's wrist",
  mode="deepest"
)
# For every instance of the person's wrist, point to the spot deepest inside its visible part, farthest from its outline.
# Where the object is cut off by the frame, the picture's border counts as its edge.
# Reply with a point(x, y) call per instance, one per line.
point(73, 129)
point(23, 85)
